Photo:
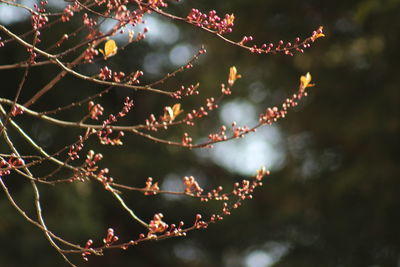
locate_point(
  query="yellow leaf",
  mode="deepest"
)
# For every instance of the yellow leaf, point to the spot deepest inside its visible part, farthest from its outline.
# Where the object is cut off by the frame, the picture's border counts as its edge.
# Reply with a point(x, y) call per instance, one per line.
point(230, 19)
point(168, 113)
point(176, 110)
point(318, 34)
point(233, 76)
point(131, 35)
point(171, 113)
point(110, 49)
point(305, 81)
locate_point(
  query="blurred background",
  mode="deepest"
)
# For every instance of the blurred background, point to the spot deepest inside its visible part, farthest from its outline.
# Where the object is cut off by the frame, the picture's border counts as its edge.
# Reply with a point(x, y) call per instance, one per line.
point(333, 198)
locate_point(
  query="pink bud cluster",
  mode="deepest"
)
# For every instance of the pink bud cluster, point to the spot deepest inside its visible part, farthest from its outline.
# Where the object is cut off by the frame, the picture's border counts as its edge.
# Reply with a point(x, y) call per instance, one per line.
point(119, 10)
point(220, 136)
point(242, 190)
point(136, 17)
point(281, 47)
point(245, 189)
point(186, 140)
point(152, 123)
point(118, 76)
point(91, 160)
point(89, 168)
point(86, 253)
point(122, 13)
point(89, 22)
point(200, 224)
point(159, 229)
point(174, 230)
point(134, 77)
point(199, 113)
point(128, 105)
point(215, 194)
point(261, 173)
point(110, 237)
point(69, 12)
point(75, 149)
point(192, 186)
point(95, 110)
point(225, 90)
point(38, 20)
point(16, 110)
point(140, 36)
point(157, 225)
point(107, 74)
point(6, 166)
point(240, 131)
point(186, 91)
point(211, 21)
point(89, 54)
point(107, 130)
point(105, 139)
point(211, 103)
point(225, 209)
point(32, 54)
point(104, 179)
point(273, 114)
point(151, 188)
point(157, 3)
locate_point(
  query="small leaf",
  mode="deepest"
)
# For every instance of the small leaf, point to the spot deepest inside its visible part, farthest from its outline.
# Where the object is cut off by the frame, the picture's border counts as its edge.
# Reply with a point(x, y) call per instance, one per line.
point(233, 76)
point(171, 113)
point(168, 114)
point(176, 109)
point(230, 19)
point(110, 49)
point(131, 35)
point(305, 81)
point(318, 34)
